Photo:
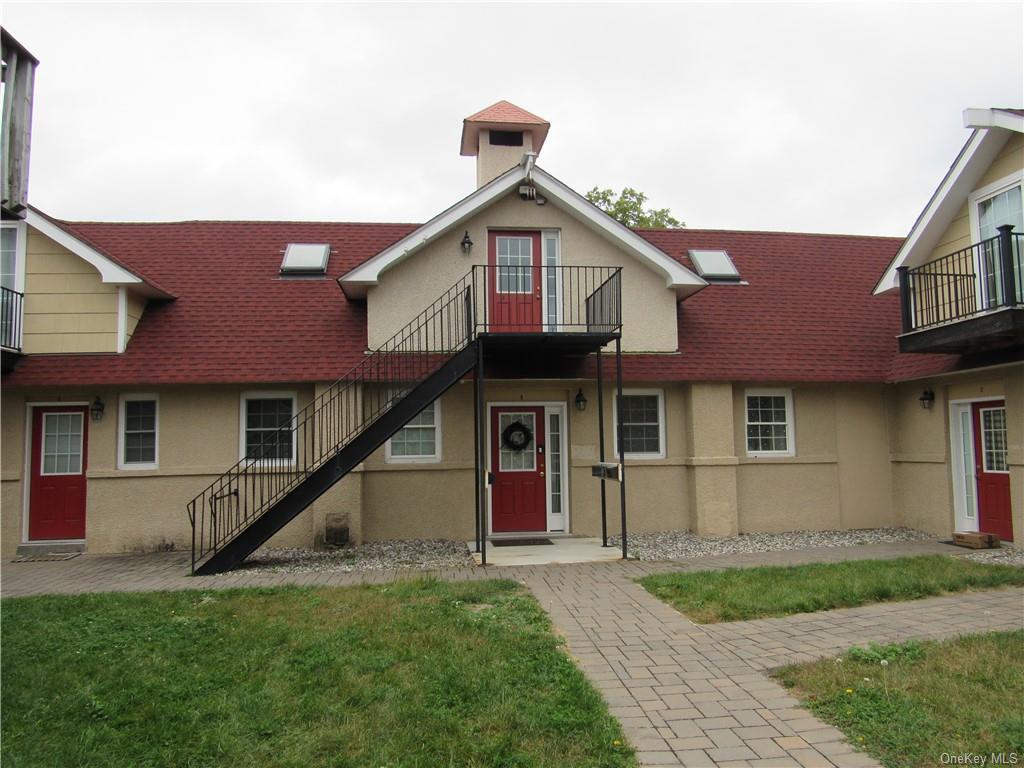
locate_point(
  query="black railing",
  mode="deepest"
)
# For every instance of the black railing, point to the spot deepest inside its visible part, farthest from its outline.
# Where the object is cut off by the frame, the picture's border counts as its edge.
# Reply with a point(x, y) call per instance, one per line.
point(982, 277)
point(548, 299)
point(583, 298)
point(11, 314)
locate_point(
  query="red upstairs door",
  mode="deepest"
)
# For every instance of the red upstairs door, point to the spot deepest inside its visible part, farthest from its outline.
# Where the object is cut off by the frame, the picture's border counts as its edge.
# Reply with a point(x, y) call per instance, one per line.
point(991, 469)
point(57, 487)
point(514, 282)
point(519, 491)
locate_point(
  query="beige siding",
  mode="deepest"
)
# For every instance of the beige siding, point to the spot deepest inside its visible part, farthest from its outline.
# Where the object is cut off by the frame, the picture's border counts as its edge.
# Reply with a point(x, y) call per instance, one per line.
point(648, 306)
point(67, 306)
point(136, 305)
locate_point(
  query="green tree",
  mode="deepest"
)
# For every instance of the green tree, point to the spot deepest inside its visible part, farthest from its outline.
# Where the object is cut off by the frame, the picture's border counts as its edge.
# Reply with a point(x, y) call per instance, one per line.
point(628, 208)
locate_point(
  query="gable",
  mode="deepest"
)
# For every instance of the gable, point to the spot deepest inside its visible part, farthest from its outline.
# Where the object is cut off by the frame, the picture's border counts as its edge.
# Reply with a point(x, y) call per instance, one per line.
point(679, 278)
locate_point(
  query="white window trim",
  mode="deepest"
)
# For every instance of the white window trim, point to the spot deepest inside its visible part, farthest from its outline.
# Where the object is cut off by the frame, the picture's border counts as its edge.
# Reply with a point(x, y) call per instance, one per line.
point(790, 422)
point(19, 253)
point(122, 422)
point(264, 395)
point(661, 424)
point(425, 458)
point(980, 195)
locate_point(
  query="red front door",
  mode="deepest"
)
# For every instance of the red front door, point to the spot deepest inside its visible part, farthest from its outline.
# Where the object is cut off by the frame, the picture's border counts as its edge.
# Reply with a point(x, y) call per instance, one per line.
point(57, 488)
point(991, 469)
point(519, 492)
point(514, 282)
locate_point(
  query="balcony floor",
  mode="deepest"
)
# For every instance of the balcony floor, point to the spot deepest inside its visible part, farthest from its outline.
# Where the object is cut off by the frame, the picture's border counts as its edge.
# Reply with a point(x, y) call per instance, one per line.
point(997, 329)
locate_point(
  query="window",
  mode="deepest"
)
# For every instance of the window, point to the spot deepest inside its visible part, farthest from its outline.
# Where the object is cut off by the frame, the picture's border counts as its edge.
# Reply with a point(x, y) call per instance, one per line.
point(419, 440)
point(769, 423)
point(514, 260)
point(505, 138)
point(715, 266)
point(643, 424)
point(552, 280)
point(991, 207)
point(264, 414)
point(305, 259)
point(137, 446)
point(993, 431)
point(62, 443)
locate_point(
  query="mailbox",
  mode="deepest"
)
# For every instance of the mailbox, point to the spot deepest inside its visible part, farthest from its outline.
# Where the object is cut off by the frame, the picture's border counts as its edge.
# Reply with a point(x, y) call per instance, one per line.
point(607, 470)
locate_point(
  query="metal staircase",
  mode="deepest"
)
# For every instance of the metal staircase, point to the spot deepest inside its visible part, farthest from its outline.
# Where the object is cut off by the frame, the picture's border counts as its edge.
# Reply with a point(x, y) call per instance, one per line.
point(340, 428)
point(291, 468)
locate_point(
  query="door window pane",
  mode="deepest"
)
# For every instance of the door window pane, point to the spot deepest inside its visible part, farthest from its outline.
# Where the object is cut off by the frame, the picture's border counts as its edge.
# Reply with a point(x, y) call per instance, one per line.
point(993, 435)
point(510, 459)
point(62, 444)
point(514, 260)
point(554, 444)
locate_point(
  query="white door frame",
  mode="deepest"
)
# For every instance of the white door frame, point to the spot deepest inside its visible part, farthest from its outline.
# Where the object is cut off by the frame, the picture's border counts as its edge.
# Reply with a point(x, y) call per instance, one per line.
point(965, 481)
point(26, 476)
point(548, 406)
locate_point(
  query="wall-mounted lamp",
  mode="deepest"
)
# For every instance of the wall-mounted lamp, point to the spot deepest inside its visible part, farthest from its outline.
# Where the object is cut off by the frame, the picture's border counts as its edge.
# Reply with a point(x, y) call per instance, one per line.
point(581, 401)
point(96, 409)
point(467, 243)
point(926, 399)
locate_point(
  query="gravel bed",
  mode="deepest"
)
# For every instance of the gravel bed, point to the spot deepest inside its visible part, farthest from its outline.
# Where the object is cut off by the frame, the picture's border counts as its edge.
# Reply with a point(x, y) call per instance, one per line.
point(1004, 556)
point(683, 545)
point(413, 554)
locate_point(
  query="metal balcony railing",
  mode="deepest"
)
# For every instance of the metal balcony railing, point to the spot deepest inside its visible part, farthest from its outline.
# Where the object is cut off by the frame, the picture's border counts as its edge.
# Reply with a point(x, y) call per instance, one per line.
point(12, 305)
point(980, 278)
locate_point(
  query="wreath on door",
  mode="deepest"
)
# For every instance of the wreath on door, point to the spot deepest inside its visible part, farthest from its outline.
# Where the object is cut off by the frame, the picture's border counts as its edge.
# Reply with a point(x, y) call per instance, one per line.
point(516, 436)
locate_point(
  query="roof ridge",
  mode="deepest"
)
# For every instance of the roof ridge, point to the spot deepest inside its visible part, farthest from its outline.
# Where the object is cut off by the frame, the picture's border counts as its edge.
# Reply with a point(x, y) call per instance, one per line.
point(766, 232)
point(246, 222)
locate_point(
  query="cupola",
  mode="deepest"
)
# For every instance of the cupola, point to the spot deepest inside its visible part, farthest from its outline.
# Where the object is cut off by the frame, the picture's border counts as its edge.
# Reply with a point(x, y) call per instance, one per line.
point(499, 136)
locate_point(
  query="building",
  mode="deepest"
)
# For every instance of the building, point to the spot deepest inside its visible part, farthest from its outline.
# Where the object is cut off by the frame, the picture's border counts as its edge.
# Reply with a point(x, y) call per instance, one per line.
point(304, 382)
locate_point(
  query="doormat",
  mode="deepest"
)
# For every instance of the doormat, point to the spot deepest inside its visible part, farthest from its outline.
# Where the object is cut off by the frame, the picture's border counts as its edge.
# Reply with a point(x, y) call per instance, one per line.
point(45, 558)
point(520, 542)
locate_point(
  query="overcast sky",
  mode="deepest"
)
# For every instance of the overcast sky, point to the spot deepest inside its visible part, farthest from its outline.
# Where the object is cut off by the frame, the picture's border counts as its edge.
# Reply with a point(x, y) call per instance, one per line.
point(829, 118)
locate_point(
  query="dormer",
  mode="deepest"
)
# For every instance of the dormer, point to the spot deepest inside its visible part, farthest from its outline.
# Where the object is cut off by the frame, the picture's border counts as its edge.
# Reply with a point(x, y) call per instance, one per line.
point(499, 136)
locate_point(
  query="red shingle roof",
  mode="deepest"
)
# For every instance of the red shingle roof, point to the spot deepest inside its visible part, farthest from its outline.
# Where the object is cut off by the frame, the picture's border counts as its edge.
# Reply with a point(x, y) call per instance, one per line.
point(506, 112)
point(806, 314)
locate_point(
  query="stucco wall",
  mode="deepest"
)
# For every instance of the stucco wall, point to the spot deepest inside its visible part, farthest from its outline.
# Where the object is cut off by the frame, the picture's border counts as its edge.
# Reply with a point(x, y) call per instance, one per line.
point(492, 161)
point(648, 306)
point(920, 445)
point(67, 307)
point(143, 509)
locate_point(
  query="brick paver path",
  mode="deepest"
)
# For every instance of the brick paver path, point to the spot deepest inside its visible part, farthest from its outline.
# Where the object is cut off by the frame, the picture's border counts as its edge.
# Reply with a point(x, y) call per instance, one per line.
point(686, 694)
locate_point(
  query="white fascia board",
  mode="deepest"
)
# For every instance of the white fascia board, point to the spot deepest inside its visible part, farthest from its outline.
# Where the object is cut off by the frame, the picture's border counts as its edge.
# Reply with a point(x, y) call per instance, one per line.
point(677, 277)
point(974, 159)
point(356, 282)
point(993, 118)
point(110, 271)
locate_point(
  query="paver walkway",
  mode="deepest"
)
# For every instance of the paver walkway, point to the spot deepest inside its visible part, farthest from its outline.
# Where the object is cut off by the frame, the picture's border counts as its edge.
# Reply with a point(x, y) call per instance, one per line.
point(686, 694)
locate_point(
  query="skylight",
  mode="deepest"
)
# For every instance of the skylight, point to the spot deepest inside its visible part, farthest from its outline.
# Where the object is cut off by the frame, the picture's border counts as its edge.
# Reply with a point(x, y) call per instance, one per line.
point(305, 259)
point(715, 266)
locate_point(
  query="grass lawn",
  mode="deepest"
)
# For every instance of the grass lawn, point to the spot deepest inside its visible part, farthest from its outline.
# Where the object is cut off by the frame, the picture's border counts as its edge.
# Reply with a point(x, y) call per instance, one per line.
point(750, 593)
point(959, 696)
point(419, 673)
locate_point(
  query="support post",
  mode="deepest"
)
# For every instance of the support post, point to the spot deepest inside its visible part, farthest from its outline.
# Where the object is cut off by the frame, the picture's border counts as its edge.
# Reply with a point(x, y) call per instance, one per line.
point(619, 440)
point(476, 448)
point(1006, 264)
point(600, 442)
point(481, 464)
point(906, 315)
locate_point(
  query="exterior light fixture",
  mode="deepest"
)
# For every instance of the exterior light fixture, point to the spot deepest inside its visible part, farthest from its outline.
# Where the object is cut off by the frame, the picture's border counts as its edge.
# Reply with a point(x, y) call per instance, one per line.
point(467, 243)
point(96, 409)
point(926, 399)
point(581, 401)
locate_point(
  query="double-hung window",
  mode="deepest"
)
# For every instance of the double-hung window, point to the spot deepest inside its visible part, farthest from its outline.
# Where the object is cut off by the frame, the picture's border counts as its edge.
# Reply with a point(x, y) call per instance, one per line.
point(643, 424)
point(769, 416)
point(137, 442)
point(419, 440)
point(266, 421)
